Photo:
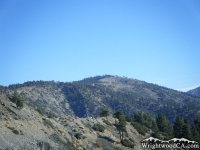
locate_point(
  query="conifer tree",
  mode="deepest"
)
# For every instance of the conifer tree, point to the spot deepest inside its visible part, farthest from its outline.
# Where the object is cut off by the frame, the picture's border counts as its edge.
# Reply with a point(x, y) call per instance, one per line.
point(182, 128)
point(164, 124)
point(186, 129)
point(178, 127)
point(104, 112)
point(154, 126)
point(121, 126)
point(138, 117)
point(17, 99)
point(195, 130)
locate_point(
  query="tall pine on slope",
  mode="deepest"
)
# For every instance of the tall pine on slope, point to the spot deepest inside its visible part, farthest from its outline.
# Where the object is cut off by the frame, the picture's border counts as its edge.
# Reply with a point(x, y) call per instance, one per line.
point(182, 128)
point(195, 130)
point(178, 127)
point(164, 125)
point(121, 126)
point(186, 128)
point(17, 99)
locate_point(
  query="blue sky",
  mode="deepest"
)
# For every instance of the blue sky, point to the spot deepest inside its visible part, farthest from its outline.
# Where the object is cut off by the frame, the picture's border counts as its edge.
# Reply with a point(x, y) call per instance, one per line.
point(67, 40)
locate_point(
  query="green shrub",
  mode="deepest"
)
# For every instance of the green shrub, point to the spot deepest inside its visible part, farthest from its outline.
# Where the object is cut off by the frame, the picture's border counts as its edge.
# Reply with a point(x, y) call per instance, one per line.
point(51, 115)
point(128, 143)
point(78, 135)
point(104, 112)
point(70, 133)
point(84, 137)
point(98, 127)
point(48, 123)
point(130, 139)
point(15, 131)
point(107, 122)
point(141, 129)
point(44, 145)
point(40, 111)
point(66, 124)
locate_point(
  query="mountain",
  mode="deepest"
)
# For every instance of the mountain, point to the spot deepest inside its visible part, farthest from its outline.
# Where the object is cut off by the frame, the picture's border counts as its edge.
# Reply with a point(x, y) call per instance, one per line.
point(27, 129)
point(195, 91)
point(85, 97)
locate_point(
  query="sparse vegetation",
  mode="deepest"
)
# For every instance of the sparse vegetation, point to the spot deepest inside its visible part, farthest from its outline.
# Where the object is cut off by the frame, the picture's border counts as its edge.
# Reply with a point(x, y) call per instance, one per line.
point(118, 94)
point(107, 122)
point(86, 98)
point(128, 143)
point(48, 123)
point(98, 127)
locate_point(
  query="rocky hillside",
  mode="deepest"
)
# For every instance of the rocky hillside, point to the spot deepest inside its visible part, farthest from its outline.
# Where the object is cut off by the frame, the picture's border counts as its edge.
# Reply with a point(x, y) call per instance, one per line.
point(195, 91)
point(84, 98)
point(27, 129)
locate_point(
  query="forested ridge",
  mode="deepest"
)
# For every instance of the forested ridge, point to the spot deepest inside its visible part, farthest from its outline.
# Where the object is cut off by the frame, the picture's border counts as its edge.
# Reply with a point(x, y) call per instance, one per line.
point(85, 97)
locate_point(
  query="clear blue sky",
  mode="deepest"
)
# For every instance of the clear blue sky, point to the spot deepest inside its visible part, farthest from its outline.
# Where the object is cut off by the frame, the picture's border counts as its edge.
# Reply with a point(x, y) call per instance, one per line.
point(155, 41)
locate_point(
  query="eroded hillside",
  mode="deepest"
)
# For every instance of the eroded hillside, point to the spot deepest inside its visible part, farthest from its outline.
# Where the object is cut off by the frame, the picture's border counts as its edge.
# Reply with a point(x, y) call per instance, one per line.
point(27, 129)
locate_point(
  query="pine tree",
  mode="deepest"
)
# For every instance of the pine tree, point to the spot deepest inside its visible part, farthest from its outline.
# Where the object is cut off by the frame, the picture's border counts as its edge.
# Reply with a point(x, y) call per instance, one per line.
point(138, 117)
point(195, 130)
point(178, 127)
point(104, 112)
point(128, 118)
point(164, 124)
point(20, 103)
point(17, 99)
point(186, 129)
point(118, 113)
point(182, 128)
point(154, 126)
point(121, 126)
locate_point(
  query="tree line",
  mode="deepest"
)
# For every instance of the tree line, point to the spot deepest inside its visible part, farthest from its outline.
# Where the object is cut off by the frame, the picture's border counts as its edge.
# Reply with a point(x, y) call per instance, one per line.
point(159, 127)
